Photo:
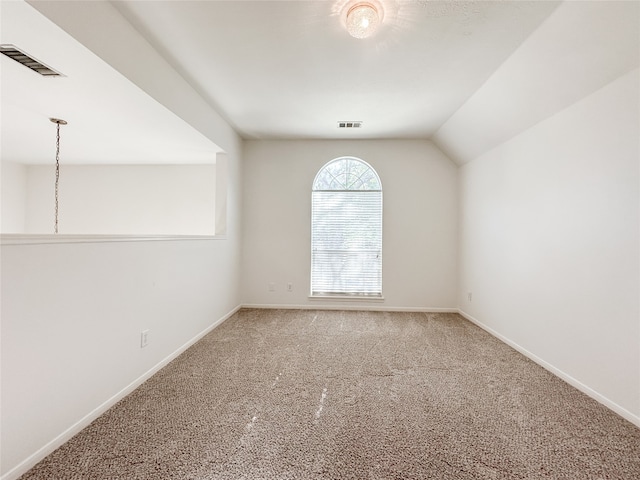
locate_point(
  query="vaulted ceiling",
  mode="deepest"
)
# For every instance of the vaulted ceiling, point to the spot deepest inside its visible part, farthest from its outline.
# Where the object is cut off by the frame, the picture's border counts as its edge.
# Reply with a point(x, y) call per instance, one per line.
point(283, 69)
point(288, 69)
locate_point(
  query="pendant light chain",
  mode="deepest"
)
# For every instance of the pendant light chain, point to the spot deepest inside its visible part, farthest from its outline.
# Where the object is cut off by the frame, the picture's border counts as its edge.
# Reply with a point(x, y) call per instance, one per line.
point(58, 122)
point(57, 172)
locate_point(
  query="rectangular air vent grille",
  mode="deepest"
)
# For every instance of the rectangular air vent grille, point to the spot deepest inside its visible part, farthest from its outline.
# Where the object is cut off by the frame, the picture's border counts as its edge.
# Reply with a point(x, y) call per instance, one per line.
point(350, 124)
point(19, 56)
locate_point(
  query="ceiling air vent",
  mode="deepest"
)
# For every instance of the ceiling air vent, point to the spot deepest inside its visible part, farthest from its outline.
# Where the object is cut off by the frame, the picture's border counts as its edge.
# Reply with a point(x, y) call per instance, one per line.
point(349, 124)
point(19, 56)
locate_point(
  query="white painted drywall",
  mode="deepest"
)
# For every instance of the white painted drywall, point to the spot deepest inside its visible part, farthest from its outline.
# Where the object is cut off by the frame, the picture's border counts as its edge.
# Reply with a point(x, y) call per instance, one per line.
point(72, 316)
point(123, 199)
point(72, 313)
point(13, 196)
point(578, 49)
point(419, 225)
point(222, 173)
point(549, 242)
point(93, 24)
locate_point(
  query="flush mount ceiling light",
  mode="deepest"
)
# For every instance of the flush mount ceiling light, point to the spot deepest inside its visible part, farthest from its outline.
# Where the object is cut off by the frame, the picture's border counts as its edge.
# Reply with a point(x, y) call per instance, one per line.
point(363, 19)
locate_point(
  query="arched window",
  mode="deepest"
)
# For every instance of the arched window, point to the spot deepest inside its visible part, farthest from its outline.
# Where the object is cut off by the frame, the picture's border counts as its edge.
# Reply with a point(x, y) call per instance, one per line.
point(346, 229)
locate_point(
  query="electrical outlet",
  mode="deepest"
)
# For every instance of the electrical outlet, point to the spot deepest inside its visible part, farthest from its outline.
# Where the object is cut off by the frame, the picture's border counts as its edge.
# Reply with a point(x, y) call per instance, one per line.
point(469, 296)
point(144, 338)
point(289, 287)
point(272, 287)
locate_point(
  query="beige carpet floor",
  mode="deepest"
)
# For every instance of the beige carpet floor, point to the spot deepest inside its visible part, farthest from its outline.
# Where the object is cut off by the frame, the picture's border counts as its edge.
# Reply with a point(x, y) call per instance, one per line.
point(274, 394)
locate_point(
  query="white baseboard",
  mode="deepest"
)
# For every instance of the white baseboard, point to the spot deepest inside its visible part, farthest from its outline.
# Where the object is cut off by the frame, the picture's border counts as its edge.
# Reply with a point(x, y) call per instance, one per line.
point(65, 436)
point(39, 455)
point(624, 413)
point(348, 305)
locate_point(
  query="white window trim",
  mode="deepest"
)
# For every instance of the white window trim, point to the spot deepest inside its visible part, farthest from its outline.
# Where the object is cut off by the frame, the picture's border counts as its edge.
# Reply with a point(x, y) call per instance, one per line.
point(348, 296)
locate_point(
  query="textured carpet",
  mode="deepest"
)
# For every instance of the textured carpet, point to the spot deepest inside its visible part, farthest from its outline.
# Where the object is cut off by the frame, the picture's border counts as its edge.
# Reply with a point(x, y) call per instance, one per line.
point(275, 394)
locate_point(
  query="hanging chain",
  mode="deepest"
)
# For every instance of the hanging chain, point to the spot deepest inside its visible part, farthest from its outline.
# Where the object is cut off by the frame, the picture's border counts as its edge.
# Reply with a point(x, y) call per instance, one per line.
point(57, 172)
point(58, 122)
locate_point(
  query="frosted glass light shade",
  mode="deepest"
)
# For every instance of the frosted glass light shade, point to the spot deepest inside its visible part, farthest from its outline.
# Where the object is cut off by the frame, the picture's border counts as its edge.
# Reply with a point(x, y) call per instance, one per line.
point(363, 20)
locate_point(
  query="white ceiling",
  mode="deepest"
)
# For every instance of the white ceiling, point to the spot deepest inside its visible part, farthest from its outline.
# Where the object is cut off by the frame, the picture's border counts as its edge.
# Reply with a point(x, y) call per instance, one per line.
point(288, 69)
point(110, 120)
point(580, 48)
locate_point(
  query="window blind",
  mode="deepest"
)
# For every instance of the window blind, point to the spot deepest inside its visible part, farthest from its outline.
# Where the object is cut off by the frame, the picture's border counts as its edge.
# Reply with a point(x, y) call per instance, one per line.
point(346, 242)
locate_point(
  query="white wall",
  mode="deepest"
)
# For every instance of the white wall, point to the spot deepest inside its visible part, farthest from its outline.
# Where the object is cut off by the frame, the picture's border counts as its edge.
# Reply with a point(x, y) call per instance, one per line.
point(578, 49)
point(549, 243)
point(72, 312)
point(123, 199)
point(71, 321)
point(419, 225)
point(72, 316)
point(13, 196)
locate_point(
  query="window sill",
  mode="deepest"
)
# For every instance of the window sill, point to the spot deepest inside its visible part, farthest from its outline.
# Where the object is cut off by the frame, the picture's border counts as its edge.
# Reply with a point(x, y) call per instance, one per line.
point(44, 239)
point(348, 298)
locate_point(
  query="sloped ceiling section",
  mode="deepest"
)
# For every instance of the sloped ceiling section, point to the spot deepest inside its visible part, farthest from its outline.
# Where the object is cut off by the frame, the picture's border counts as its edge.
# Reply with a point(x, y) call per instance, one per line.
point(468, 74)
point(110, 120)
point(99, 27)
point(579, 49)
point(289, 69)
